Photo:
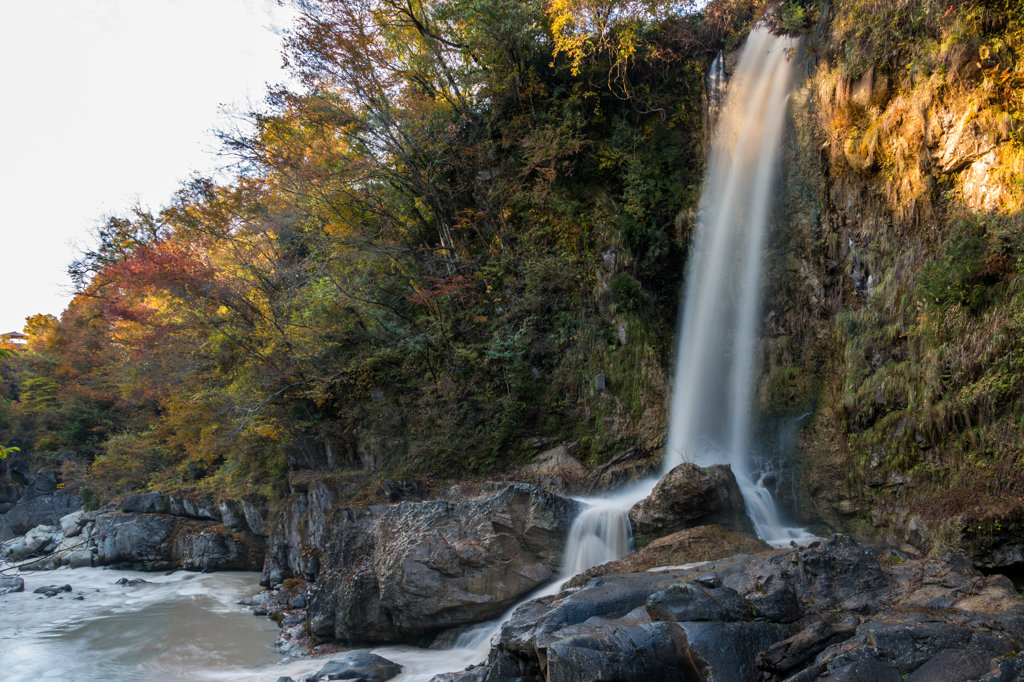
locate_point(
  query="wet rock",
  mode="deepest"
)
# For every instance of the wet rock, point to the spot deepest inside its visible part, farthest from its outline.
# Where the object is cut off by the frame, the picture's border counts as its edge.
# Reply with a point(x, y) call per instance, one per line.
point(361, 665)
point(11, 584)
point(52, 588)
point(690, 496)
point(414, 568)
point(130, 582)
point(775, 600)
point(704, 543)
point(886, 631)
point(725, 652)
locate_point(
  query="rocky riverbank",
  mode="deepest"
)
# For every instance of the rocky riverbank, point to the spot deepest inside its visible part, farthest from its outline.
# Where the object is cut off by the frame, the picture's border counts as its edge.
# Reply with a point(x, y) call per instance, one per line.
point(149, 532)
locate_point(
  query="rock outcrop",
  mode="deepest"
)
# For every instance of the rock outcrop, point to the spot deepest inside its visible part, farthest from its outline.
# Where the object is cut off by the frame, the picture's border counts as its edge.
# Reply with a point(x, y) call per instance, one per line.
point(157, 542)
point(393, 573)
point(690, 496)
point(835, 610)
point(704, 543)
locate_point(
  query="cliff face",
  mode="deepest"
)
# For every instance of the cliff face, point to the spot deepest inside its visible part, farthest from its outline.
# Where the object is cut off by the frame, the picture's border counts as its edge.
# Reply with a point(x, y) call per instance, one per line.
point(893, 315)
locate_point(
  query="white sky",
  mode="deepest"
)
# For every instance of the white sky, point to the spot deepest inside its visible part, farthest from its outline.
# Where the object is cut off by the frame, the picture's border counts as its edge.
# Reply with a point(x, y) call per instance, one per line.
point(103, 102)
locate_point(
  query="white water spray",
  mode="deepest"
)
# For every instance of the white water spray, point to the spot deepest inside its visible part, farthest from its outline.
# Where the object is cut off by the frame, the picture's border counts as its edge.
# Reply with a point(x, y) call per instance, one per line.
point(711, 407)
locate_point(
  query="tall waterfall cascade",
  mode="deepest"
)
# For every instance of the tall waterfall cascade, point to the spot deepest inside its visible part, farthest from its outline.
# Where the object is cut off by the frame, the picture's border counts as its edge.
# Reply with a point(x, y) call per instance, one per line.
point(712, 404)
point(711, 407)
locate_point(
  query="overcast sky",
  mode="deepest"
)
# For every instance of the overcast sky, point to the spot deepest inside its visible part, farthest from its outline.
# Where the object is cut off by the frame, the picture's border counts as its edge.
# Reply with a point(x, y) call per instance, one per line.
point(105, 102)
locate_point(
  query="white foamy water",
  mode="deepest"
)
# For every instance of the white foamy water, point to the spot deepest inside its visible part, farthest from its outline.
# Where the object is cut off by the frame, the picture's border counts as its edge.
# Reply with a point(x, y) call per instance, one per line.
point(711, 405)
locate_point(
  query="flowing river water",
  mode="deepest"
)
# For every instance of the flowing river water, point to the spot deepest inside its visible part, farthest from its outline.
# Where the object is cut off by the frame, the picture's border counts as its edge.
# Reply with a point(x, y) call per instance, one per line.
point(186, 626)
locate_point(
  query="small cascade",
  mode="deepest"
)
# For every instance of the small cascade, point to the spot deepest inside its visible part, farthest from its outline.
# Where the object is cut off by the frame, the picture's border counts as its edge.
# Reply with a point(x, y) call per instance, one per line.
point(714, 94)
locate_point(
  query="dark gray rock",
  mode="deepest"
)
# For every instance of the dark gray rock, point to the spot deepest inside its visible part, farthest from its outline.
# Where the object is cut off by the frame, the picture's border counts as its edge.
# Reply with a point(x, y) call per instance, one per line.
point(608, 651)
point(794, 652)
point(396, 491)
point(888, 629)
point(52, 588)
point(145, 503)
point(41, 510)
point(690, 496)
point(775, 601)
point(695, 602)
point(9, 584)
point(361, 665)
point(725, 652)
point(210, 547)
point(141, 541)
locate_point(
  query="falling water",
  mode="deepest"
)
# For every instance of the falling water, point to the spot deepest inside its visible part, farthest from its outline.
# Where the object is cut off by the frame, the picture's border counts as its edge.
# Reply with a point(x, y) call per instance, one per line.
point(711, 407)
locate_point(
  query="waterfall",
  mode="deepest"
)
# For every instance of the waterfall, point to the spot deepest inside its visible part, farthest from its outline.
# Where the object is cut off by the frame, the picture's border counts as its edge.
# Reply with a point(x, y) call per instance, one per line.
point(711, 406)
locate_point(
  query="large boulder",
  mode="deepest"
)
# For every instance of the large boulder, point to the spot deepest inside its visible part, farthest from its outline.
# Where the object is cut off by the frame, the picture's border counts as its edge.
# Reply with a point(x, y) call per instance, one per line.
point(690, 496)
point(393, 573)
point(139, 541)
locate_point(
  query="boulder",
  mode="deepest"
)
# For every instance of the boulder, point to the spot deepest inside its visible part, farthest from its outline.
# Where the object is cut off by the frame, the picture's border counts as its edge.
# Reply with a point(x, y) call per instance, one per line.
point(145, 503)
point(39, 540)
point(10, 584)
point(690, 496)
point(704, 543)
point(72, 524)
point(395, 572)
point(361, 665)
point(141, 541)
point(81, 558)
